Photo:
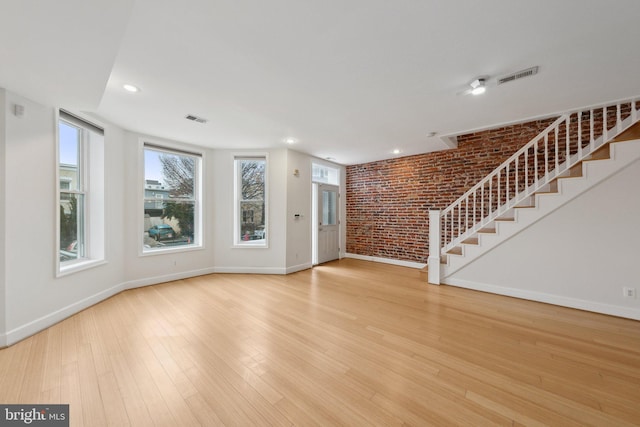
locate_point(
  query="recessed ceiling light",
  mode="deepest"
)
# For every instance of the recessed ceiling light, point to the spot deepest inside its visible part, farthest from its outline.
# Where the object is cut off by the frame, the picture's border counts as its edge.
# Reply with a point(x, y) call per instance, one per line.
point(290, 140)
point(131, 88)
point(330, 158)
point(478, 86)
point(396, 151)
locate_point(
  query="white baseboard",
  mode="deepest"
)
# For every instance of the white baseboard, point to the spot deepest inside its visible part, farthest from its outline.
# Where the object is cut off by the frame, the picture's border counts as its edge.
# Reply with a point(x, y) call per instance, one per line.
point(596, 307)
point(167, 278)
point(410, 264)
point(250, 270)
point(37, 325)
point(299, 267)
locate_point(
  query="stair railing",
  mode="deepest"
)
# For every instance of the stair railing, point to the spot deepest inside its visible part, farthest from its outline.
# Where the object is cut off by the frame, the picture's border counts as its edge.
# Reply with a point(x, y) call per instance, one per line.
point(571, 138)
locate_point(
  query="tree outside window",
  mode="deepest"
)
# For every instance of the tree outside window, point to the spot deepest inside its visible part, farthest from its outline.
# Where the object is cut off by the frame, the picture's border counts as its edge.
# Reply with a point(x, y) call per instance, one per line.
point(170, 198)
point(251, 219)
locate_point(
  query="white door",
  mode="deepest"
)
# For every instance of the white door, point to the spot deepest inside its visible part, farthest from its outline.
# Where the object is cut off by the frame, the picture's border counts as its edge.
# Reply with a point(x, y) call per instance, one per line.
point(328, 223)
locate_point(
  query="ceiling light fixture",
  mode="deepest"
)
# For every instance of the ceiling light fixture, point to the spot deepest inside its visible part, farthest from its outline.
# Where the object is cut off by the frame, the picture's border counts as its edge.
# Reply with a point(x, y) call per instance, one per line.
point(396, 151)
point(478, 86)
point(290, 140)
point(131, 88)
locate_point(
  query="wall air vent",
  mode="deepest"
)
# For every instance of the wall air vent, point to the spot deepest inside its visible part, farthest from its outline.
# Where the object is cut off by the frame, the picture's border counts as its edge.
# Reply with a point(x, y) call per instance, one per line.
point(195, 118)
point(518, 75)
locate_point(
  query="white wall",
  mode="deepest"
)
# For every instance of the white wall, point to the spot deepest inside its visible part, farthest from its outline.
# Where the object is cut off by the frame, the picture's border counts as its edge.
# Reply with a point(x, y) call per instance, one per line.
point(146, 269)
point(580, 256)
point(298, 202)
point(32, 297)
point(228, 258)
point(35, 298)
point(3, 306)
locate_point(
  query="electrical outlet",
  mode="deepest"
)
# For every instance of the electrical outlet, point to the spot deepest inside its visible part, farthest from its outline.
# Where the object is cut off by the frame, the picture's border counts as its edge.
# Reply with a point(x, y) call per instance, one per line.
point(629, 292)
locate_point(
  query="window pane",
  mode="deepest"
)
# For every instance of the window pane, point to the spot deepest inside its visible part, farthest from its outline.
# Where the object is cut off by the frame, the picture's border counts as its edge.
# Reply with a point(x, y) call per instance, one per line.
point(329, 206)
point(252, 225)
point(69, 157)
point(169, 199)
point(325, 174)
point(250, 222)
point(175, 227)
point(252, 179)
point(174, 173)
point(71, 226)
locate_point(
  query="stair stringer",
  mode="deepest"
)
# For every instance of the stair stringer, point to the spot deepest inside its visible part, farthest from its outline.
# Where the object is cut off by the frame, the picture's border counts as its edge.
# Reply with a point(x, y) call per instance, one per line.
point(622, 154)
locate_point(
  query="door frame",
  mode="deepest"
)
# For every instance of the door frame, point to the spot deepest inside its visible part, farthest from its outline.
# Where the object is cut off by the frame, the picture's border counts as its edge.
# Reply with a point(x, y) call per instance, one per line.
point(315, 220)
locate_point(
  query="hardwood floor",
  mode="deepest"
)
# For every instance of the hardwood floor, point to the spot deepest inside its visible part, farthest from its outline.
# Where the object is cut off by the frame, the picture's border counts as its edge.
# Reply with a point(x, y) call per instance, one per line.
point(347, 343)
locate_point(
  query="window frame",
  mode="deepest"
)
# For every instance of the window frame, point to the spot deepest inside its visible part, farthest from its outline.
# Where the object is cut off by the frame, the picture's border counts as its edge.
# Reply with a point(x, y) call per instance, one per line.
point(198, 199)
point(237, 242)
point(92, 189)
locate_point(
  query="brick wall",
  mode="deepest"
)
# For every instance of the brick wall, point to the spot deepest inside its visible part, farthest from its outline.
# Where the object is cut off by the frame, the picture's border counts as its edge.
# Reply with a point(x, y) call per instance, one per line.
point(388, 201)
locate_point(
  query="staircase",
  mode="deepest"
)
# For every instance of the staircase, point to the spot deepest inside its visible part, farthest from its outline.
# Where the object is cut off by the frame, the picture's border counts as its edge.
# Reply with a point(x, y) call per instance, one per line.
point(576, 152)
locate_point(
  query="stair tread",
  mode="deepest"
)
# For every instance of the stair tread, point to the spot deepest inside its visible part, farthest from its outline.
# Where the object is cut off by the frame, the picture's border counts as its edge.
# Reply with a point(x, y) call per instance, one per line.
point(455, 251)
point(602, 153)
point(550, 180)
point(633, 132)
point(487, 230)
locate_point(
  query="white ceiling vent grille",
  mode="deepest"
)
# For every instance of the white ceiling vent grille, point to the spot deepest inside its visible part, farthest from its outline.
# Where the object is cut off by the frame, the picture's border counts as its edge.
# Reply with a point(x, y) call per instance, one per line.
point(518, 75)
point(195, 118)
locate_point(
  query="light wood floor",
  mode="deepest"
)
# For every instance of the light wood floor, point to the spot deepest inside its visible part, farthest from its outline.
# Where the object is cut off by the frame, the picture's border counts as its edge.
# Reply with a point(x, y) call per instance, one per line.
point(348, 343)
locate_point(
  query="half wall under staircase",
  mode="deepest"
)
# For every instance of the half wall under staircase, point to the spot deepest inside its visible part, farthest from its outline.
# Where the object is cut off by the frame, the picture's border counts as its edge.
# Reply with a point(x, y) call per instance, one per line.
point(575, 153)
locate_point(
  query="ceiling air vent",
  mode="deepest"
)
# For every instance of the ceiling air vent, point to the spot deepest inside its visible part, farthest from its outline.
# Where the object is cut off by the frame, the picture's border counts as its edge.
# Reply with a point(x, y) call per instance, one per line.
point(518, 75)
point(195, 118)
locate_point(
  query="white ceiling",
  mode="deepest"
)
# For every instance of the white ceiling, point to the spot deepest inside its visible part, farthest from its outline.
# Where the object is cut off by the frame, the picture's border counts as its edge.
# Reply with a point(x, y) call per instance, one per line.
point(348, 79)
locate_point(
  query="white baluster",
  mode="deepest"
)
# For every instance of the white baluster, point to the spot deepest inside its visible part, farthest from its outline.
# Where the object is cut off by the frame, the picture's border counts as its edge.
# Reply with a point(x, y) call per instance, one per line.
point(466, 213)
point(535, 162)
point(605, 131)
point(580, 135)
point(618, 118)
point(475, 192)
point(546, 155)
point(568, 154)
point(557, 152)
point(482, 214)
point(592, 140)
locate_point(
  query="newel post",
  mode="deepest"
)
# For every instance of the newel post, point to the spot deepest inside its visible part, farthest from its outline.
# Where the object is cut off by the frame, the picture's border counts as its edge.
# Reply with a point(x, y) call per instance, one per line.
point(433, 261)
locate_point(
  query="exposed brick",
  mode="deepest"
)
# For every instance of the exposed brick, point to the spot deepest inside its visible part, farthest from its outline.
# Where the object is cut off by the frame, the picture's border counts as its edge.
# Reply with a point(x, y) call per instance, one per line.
point(388, 201)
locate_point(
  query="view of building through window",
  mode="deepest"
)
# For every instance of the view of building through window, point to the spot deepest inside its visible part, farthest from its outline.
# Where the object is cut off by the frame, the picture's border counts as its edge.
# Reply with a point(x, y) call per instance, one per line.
point(170, 198)
point(251, 219)
point(71, 188)
point(80, 233)
point(325, 174)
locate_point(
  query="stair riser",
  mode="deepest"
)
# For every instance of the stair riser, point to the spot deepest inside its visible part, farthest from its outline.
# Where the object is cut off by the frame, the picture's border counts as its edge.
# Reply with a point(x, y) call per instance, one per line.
point(593, 172)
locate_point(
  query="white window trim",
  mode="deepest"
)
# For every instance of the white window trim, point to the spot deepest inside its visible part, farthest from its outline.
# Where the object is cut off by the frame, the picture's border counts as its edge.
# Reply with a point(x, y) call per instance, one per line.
point(92, 258)
point(172, 147)
point(251, 244)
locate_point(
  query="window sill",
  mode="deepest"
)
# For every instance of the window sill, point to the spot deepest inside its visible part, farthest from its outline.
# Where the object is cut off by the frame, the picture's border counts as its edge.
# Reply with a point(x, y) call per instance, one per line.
point(170, 250)
point(79, 265)
point(251, 245)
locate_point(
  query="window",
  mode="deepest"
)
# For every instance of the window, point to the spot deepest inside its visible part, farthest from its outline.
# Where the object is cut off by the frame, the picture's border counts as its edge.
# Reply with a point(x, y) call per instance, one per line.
point(80, 192)
point(171, 213)
point(325, 174)
point(251, 209)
